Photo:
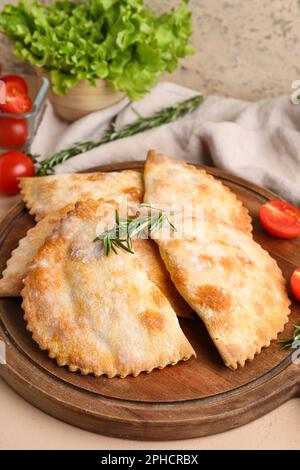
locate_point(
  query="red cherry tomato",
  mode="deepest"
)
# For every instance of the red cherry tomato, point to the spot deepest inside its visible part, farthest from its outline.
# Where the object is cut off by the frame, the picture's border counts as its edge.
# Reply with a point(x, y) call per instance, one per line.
point(16, 103)
point(13, 132)
point(295, 283)
point(12, 166)
point(280, 219)
point(17, 99)
point(15, 82)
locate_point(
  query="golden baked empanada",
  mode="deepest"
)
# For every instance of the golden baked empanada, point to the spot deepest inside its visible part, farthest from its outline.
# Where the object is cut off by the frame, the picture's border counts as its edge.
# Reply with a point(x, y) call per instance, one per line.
point(11, 282)
point(48, 194)
point(95, 313)
point(21, 258)
point(172, 183)
point(234, 285)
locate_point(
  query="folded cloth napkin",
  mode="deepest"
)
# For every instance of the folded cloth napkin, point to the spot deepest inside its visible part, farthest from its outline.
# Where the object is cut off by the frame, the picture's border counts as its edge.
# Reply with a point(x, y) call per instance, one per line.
point(258, 141)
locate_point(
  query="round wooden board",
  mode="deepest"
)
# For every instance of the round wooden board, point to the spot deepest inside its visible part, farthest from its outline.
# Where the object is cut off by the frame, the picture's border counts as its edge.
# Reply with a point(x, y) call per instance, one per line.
point(191, 399)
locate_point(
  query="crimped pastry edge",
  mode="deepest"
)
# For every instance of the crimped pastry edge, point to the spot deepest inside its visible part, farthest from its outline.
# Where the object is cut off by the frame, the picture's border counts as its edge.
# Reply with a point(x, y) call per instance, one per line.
point(256, 350)
point(63, 212)
point(39, 216)
point(4, 293)
point(94, 371)
point(85, 371)
point(152, 155)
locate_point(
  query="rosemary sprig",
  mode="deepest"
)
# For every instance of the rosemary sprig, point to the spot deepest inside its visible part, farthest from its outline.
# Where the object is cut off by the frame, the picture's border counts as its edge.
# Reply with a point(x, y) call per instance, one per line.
point(124, 230)
point(294, 341)
point(165, 116)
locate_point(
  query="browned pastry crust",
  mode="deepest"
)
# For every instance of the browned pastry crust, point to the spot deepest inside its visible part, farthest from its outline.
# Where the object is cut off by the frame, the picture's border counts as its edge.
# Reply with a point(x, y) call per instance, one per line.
point(95, 313)
point(234, 285)
point(48, 194)
point(172, 182)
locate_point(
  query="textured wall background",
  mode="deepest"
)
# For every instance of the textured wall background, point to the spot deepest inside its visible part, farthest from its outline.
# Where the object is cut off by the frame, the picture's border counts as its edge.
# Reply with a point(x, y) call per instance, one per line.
point(246, 48)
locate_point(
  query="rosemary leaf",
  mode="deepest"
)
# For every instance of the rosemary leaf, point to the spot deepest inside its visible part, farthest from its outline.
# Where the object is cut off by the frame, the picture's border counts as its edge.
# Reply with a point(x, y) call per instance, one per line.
point(124, 230)
point(290, 343)
point(113, 249)
point(165, 116)
point(130, 244)
point(124, 246)
point(107, 245)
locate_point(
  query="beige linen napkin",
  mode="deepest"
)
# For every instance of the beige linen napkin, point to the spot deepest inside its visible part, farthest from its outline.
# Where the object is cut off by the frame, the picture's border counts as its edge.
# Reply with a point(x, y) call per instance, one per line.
point(258, 141)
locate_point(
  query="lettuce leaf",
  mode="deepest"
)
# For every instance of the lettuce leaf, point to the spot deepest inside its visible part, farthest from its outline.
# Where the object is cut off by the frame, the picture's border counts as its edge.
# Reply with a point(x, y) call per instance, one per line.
point(122, 41)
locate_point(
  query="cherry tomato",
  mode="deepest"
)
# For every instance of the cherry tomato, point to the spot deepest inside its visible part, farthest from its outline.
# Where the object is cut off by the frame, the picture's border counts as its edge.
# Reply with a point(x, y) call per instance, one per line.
point(295, 283)
point(16, 102)
point(12, 166)
point(15, 82)
point(17, 99)
point(13, 132)
point(280, 219)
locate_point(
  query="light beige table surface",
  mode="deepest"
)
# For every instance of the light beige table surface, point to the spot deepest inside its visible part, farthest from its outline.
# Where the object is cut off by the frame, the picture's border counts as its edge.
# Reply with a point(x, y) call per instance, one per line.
point(24, 427)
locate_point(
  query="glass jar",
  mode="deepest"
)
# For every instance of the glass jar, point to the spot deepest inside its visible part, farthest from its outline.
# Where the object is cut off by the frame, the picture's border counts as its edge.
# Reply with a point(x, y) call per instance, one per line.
point(28, 122)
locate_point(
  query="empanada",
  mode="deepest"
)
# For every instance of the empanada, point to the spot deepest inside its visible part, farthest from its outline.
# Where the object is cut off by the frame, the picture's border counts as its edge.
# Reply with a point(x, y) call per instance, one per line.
point(234, 285)
point(21, 258)
point(48, 194)
point(174, 184)
point(95, 313)
point(11, 282)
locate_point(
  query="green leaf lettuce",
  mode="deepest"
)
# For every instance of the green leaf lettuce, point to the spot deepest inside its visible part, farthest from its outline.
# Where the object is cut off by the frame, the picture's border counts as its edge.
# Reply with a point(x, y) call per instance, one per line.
point(122, 41)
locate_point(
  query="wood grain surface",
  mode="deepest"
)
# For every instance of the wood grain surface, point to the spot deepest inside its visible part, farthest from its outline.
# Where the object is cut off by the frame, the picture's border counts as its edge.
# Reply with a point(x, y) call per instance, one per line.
point(190, 399)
